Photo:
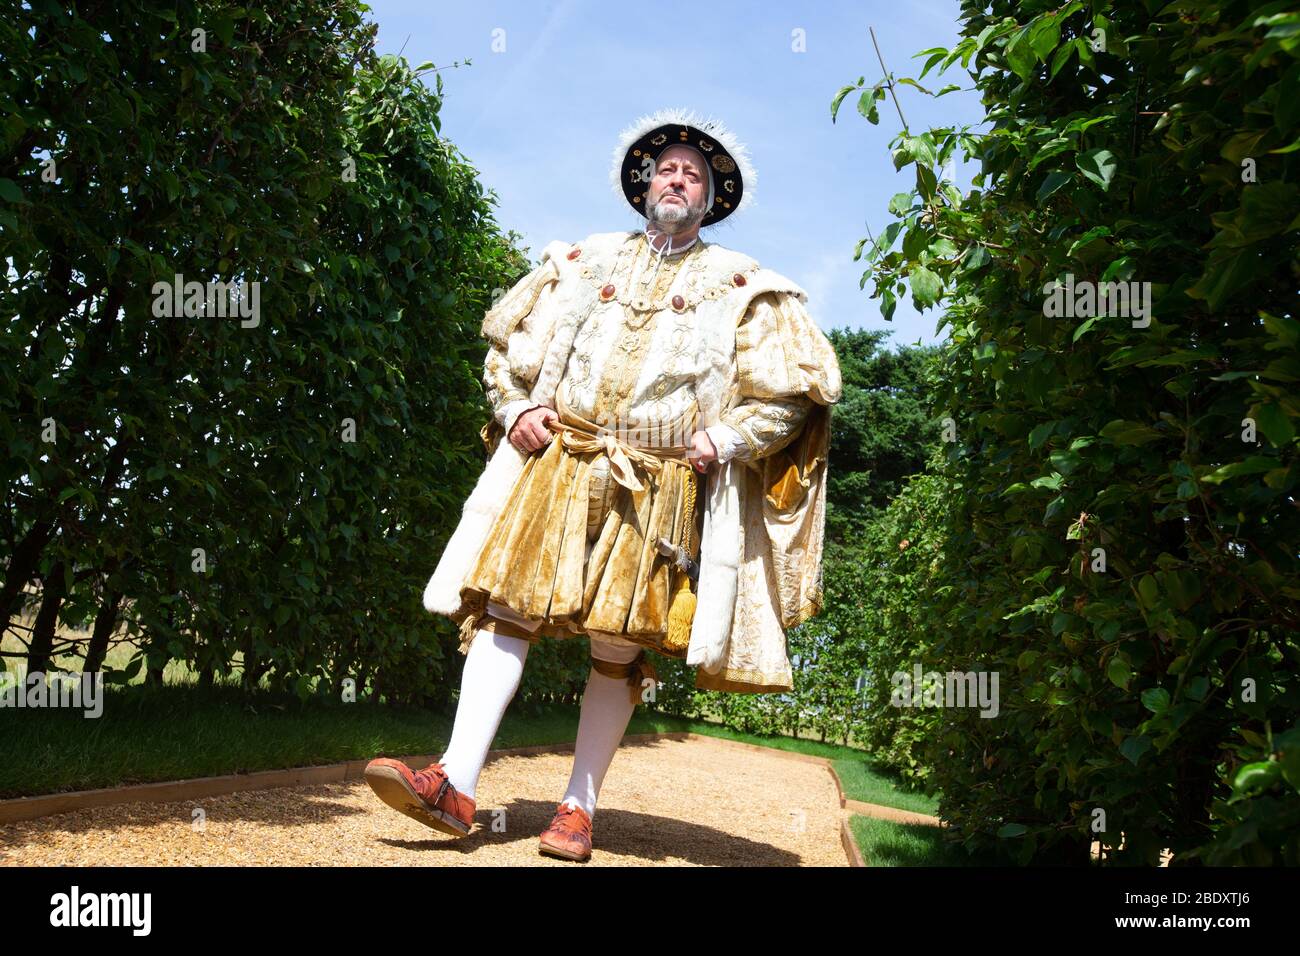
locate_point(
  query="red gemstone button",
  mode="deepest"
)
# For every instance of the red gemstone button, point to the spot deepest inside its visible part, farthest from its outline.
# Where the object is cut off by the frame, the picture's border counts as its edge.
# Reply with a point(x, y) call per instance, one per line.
point(738, 279)
point(607, 292)
point(679, 303)
point(574, 253)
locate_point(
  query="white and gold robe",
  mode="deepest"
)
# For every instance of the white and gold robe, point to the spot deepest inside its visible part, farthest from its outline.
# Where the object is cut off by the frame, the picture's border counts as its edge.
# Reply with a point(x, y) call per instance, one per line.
point(707, 339)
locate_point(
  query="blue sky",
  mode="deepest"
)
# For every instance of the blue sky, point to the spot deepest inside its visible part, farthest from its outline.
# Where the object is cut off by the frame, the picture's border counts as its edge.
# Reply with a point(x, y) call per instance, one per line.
point(539, 119)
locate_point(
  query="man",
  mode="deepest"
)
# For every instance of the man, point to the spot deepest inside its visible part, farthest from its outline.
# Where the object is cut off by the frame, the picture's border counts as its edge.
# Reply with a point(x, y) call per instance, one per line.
point(665, 408)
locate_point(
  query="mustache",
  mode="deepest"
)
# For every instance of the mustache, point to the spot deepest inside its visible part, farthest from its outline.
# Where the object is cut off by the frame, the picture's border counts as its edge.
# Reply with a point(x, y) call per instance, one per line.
point(684, 200)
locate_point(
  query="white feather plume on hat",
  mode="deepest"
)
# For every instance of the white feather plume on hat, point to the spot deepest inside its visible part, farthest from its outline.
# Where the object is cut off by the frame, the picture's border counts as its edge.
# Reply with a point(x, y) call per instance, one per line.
point(714, 128)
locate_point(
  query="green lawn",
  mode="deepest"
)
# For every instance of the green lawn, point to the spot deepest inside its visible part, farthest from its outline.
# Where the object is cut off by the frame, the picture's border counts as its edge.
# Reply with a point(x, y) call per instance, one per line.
point(861, 781)
point(885, 843)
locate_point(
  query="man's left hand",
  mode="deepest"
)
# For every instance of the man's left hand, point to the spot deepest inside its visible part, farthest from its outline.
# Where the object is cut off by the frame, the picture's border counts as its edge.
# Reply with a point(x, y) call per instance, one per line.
point(703, 453)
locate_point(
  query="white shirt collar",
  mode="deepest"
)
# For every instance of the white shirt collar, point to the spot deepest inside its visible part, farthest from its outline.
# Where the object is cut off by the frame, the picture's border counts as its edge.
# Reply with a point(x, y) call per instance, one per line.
point(666, 250)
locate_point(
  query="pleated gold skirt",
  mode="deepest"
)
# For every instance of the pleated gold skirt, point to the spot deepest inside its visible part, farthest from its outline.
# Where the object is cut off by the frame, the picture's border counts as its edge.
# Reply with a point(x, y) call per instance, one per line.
point(577, 551)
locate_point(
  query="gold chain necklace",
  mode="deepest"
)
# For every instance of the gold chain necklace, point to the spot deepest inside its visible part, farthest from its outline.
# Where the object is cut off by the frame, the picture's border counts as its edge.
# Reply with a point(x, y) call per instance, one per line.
point(645, 305)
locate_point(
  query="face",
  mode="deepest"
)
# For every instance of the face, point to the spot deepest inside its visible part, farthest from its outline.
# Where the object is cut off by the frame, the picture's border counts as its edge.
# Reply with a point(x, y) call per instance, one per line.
point(679, 191)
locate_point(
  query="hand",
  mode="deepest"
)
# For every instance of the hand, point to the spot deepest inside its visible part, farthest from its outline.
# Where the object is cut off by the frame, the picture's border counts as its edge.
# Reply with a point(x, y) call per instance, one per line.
point(529, 432)
point(703, 453)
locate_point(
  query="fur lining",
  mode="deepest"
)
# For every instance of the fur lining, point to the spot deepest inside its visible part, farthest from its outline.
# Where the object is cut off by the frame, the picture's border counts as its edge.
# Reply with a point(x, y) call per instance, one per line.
point(719, 569)
point(442, 593)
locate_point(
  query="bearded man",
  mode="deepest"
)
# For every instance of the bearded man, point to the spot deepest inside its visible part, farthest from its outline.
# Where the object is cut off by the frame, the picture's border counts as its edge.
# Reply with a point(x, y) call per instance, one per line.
point(665, 405)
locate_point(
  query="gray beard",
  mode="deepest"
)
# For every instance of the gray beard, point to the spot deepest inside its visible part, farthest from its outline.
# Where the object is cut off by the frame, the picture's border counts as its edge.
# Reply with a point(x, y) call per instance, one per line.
point(673, 218)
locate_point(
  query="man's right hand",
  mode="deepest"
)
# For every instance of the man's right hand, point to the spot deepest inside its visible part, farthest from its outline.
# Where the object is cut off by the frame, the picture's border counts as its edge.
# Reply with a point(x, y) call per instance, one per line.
point(530, 432)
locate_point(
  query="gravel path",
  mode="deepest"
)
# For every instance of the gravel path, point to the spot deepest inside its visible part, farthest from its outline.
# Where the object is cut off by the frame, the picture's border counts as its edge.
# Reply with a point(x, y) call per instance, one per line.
point(664, 803)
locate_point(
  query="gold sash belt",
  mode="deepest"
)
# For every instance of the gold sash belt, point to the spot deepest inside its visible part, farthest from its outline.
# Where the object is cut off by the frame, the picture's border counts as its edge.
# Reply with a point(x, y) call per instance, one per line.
point(585, 437)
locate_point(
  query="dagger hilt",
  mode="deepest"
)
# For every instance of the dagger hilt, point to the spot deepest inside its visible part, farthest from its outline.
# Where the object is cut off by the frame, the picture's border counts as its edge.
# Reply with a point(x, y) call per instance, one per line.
point(680, 559)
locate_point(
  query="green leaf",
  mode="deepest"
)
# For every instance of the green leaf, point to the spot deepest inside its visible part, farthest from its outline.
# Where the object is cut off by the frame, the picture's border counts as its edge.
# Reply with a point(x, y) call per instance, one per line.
point(926, 286)
point(888, 302)
point(922, 148)
point(1044, 34)
point(1224, 276)
point(1040, 434)
point(1053, 181)
point(10, 192)
point(1156, 700)
point(1099, 165)
point(1275, 424)
point(868, 106)
point(1059, 60)
point(1065, 461)
point(839, 98)
point(926, 182)
point(1129, 433)
point(133, 667)
point(1255, 778)
point(1118, 672)
point(976, 257)
point(1020, 54)
point(1254, 465)
point(1084, 327)
point(1290, 761)
point(1088, 239)
point(1242, 145)
point(1134, 747)
point(1149, 591)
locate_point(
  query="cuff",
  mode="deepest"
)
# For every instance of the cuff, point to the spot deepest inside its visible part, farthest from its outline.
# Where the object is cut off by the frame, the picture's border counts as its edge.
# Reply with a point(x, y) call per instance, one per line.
point(511, 411)
point(727, 440)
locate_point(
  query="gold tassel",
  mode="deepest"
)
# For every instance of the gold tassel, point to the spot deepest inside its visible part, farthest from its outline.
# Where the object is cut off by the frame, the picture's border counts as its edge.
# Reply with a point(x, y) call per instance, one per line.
point(681, 608)
point(680, 614)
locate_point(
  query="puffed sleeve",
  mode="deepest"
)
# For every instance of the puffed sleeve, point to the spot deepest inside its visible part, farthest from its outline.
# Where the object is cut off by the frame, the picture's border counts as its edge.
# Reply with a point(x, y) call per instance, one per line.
point(518, 329)
point(785, 364)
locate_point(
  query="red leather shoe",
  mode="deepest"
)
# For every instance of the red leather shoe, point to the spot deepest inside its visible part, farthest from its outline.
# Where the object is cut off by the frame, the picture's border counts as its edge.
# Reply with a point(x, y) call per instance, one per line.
point(569, 835)
point(427, 795)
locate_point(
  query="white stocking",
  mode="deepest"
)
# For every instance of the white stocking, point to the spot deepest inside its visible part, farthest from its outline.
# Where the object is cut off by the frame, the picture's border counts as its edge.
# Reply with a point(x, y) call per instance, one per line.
point(494, 666)
point(607, 707)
